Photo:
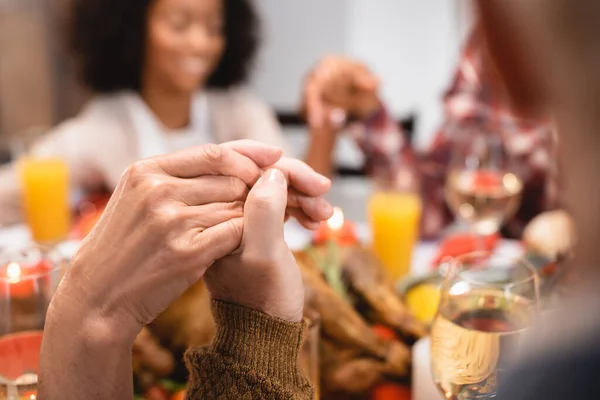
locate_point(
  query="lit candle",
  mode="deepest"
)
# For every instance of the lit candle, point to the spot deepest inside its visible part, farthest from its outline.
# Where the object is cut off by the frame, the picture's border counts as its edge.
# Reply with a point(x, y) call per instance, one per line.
point(26, 287)
point(336, 229)
point(25, 291)
point(19, 278)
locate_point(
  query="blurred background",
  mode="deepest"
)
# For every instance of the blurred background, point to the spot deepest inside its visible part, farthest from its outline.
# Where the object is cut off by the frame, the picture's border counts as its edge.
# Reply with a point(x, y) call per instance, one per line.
point(427, 160)
point(412, 46)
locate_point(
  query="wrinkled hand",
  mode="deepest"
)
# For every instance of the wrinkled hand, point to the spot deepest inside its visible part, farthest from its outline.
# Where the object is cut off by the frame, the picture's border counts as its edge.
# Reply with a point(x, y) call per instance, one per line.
point(304, 201)
point(169, 219)
point(262, 274)
point(339, 83)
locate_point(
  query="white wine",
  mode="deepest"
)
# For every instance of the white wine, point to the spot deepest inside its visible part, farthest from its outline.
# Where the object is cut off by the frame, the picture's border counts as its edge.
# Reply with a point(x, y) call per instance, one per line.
point(473, 339)
point(484, 198)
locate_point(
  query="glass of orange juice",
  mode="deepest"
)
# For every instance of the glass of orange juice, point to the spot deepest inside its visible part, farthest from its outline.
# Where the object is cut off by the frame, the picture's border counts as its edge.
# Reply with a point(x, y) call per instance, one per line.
point(395, 215)
point(45, 197)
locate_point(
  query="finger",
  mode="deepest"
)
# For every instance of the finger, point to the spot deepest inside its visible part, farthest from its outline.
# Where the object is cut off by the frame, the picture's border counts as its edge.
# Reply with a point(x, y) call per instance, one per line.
point(315, 107)
point(264, 212)
point(262, 154)
point(302, 177)
point(303, 219)
point(365, 80)
point(210, 189)
point(327, 70)
point(342, 88)
point(209, 215)
point(316, 208)
point(217, 242)
point(210, 159)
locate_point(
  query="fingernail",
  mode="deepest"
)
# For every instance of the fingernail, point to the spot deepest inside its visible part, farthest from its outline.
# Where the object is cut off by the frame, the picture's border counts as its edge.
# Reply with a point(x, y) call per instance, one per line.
point(275, 175)
point(327, 208)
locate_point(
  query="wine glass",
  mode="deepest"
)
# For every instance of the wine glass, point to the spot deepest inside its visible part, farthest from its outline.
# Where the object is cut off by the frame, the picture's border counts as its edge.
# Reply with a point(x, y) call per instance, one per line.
point(483, 188)
point(487, 303)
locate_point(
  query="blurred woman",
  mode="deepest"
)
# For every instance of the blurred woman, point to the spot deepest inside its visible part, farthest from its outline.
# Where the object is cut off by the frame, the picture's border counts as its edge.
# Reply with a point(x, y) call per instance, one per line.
point(166, 74)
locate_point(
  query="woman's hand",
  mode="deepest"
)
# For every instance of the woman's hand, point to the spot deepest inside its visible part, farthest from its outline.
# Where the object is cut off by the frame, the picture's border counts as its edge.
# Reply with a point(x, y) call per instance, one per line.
point(306, 188)
point(337, 88)
point(339, 83)
point(262, 274)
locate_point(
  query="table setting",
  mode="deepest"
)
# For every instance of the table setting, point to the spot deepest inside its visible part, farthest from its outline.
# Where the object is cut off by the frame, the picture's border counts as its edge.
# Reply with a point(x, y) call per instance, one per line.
point(391, 316)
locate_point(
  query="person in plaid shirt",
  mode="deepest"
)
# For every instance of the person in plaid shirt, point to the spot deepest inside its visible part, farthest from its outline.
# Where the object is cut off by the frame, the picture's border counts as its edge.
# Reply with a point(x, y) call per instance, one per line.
point(470, 102)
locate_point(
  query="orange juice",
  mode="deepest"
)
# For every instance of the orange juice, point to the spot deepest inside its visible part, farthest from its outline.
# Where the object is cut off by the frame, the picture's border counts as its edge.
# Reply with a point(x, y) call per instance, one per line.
point(45, 189)
point(395, 218)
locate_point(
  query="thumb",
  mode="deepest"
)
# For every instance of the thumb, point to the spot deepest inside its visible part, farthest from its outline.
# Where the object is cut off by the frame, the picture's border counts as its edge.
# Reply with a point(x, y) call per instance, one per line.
point(366, 81)
point(264, 212)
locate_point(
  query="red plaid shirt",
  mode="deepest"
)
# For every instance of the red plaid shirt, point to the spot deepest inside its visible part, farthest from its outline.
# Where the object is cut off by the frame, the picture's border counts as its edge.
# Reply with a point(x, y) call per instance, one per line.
point(470, 101)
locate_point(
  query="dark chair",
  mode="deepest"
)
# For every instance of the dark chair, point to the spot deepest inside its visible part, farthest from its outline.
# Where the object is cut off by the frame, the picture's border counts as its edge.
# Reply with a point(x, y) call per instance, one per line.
point(294, 120)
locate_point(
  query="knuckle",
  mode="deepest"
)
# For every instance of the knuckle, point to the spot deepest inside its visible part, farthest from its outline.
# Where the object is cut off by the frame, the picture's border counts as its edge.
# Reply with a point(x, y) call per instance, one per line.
point(135, 173)
point(238, 189)
point(234, 229)
point(213, 153)
point(158, 187)
point(161, 217)
point(235, 209)
point(154, 191)
point(180, 250)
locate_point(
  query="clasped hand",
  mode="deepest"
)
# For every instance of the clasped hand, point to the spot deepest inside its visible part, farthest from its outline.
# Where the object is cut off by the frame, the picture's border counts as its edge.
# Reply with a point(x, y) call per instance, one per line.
point(215, 211)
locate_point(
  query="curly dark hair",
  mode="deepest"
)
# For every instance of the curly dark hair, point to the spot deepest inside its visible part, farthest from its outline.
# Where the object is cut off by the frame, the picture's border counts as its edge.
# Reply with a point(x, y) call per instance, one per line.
point(107, 38)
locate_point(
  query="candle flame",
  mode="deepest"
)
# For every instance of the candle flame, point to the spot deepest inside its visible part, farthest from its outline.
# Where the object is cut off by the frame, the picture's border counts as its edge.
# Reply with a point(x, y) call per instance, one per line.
point(337, 219)
point(13, 272)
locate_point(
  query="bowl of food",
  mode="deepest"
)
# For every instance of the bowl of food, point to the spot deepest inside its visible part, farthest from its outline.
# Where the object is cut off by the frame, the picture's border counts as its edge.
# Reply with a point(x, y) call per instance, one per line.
point(421, 294)
point(549, 240)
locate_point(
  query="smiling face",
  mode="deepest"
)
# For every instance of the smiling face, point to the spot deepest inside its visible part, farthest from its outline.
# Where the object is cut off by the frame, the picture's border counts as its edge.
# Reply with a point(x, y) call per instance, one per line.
point(185, 43)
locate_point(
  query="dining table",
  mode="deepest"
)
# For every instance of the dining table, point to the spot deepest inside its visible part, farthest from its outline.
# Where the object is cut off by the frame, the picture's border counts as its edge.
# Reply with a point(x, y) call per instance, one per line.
point(297, 239)
point(351, 195)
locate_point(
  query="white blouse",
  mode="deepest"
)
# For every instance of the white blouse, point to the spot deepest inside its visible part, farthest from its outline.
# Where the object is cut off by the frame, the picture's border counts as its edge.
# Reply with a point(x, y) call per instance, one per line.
point(113, 131)
point(153, 138)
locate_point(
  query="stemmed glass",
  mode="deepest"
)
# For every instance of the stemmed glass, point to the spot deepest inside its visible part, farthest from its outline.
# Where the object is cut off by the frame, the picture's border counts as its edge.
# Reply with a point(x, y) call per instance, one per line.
point(487, 303)
point(483, 187)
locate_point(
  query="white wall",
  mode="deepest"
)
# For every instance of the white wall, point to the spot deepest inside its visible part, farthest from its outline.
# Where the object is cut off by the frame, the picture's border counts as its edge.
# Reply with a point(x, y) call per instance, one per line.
point(297, 33)
point(412, 44)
